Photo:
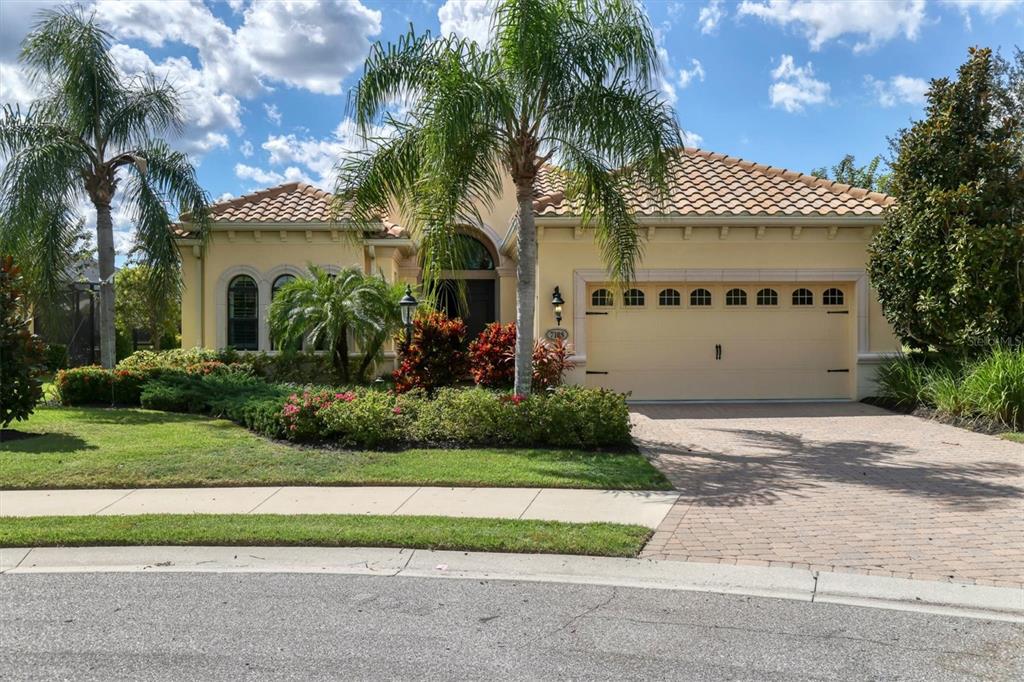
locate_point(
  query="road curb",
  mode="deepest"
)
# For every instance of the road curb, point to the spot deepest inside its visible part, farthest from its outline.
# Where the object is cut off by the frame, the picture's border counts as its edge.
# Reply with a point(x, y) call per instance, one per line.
point(971, 601)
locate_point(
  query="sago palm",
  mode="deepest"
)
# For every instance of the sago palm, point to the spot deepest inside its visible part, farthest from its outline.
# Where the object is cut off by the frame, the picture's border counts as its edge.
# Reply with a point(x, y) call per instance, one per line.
point(563, 81)
point(323, 309)
point(91, 133)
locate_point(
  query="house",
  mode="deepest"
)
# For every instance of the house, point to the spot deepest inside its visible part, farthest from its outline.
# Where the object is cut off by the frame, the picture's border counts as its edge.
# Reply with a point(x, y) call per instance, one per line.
point(752, 284)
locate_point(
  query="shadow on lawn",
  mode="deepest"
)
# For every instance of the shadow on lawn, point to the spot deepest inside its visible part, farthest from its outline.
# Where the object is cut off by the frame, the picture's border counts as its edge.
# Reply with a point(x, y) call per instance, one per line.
point(46, 443)
point(775, 463)
point(129, 416)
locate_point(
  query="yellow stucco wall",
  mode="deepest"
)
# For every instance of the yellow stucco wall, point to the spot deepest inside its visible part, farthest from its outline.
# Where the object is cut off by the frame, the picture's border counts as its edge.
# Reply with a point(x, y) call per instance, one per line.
point(565, 255)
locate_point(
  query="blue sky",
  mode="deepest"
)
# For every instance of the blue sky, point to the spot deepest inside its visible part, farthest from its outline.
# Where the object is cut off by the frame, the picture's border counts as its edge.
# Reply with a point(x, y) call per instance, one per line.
point(790, 83)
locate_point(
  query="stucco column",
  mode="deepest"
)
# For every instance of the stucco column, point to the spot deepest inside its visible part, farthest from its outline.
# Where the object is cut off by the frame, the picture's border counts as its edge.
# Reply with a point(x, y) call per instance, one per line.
point(506, 294)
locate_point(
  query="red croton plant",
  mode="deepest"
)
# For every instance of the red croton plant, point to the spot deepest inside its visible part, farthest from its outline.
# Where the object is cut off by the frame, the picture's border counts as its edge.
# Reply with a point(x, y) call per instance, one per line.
point(492, 359)
point(21, 351)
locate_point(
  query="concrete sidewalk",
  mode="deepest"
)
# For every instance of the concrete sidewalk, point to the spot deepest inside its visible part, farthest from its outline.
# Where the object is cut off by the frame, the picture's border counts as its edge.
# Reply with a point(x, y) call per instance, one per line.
point(645, 508)
point(971, 601)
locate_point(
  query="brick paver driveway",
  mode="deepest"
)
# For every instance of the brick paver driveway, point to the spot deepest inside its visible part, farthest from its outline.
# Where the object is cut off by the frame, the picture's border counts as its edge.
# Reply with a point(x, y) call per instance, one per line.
point(837, 487)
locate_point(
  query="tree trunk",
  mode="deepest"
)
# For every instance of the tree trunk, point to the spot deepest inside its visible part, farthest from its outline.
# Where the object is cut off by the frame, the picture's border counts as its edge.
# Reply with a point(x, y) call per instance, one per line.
point(526, 291)
point(341, 356)
point(105, 244)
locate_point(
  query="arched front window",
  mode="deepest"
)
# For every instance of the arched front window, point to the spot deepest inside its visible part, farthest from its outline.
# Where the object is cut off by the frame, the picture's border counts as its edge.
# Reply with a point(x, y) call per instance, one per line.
point(601, 298)
point(735, 297)
point(669, 297)
point(832, 296)
point(803, 297)
point(471, 254)
point(767, 297)
point(633, 298)
point(243, 313)
point(700, 297)
point(280, 282)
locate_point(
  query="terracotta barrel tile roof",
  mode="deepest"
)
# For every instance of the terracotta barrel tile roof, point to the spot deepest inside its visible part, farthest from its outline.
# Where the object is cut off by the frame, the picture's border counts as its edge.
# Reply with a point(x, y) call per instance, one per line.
point(293, 202)
point(705, 183)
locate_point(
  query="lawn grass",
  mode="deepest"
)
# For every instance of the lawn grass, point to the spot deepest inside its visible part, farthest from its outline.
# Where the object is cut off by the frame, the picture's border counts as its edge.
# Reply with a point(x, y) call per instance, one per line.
point(132, 448)
point(1015, 437)
point(417, 532)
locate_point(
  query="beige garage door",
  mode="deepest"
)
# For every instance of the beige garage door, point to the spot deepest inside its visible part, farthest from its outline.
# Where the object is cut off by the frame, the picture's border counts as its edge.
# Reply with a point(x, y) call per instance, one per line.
point(736, 341)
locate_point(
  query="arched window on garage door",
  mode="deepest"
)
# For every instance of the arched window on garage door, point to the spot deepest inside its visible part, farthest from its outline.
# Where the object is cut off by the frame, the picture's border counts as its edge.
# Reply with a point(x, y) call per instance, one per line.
point(832, 296)
point(767, 297)
point(243, 313)
point(803, 297)
point(669, 297)
point(735, 297)
point(601, 298)
point(633, 298)
point(700, 298)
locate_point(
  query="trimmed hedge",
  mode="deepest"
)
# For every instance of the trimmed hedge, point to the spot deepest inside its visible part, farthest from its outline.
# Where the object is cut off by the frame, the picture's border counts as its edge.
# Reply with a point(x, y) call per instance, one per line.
point(94, 385)
point(570, 416)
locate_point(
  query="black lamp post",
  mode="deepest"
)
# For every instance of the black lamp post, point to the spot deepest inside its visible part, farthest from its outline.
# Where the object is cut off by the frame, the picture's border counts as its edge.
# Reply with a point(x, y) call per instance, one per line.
point(557, 302)
point(408, 305)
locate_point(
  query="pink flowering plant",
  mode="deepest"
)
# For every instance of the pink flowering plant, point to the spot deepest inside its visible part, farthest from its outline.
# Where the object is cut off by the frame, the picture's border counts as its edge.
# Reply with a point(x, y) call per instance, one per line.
point(301, 412)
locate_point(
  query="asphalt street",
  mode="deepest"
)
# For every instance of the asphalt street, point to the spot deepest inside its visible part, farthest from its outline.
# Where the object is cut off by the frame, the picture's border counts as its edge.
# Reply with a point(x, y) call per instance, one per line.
point(184, 626)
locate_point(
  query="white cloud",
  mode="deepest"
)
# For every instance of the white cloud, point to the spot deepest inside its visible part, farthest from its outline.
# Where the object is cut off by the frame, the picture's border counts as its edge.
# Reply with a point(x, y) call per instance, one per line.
point(795, 86)
point(15, 87)
point(273, 113)
point(269, 178)
point(692, 139)
point(466, 19)
point(898, 90)
point(710, 16)
point(695, 72)
point(824, 20)
point(990, 9)
point(664, 84)
point(245, 149)
point(308, 45)
point(207, 110)
point(226, 196)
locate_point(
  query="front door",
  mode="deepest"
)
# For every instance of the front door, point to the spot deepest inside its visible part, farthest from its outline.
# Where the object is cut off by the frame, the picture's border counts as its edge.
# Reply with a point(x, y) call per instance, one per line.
point(480, 308)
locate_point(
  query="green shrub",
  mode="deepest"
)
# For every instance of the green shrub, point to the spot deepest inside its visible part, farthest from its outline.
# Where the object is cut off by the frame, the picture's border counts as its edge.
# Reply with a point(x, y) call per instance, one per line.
point(587, 418)
point(994, 386)
point(56, 357)
point(943, 391)
point(21, 352)
point(94, 385)
point(370, 420)
point(469, 416)
point(902, 379)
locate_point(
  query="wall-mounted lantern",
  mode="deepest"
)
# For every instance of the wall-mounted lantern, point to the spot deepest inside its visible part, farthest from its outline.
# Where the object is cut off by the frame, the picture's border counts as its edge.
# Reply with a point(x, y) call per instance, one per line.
point(557, 301)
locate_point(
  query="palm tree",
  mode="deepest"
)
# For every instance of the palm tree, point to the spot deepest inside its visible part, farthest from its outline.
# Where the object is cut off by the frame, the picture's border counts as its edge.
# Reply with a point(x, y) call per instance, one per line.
point(325, 309)
point(378, 318)
point(565, 80)
point(92, 132)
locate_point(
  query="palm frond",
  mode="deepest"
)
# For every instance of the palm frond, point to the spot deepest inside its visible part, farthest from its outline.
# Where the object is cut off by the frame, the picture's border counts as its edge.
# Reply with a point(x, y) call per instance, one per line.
point(147, 108)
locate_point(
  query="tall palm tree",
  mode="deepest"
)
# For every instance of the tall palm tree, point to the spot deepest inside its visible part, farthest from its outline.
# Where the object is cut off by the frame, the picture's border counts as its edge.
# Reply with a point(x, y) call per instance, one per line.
point(91, 132)
point(325, 309)
point(569, 81)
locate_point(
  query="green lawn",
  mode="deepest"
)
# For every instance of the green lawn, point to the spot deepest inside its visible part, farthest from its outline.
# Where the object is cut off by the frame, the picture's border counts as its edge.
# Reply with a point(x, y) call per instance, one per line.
point(1015, 437)
point(420, 532)
point(128, 448)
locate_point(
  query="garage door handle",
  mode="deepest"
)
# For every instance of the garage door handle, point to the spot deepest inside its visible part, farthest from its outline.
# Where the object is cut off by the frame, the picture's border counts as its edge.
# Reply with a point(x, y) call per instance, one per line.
point(593, 371)
point(843, 371)
point(718, 351)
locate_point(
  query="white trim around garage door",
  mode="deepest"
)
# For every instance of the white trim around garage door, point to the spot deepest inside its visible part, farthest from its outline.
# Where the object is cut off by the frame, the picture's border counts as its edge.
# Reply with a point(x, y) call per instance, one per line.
point(858, 276)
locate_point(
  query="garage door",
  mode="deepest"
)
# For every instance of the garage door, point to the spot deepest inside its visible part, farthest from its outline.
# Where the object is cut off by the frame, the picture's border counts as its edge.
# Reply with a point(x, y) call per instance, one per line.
point(715, 341)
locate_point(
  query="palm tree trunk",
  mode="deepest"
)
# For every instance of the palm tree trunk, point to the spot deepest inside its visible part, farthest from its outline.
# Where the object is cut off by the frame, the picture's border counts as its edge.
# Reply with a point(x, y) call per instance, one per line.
point(105, 244)
point(526, 290)
point(341, 356)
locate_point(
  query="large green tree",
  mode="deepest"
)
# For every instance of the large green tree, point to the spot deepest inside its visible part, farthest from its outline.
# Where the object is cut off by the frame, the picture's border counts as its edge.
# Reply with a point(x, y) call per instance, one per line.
point(948, 262)
point(849, 173)
point(93, 132)
point(564, 81)
point(140, 306)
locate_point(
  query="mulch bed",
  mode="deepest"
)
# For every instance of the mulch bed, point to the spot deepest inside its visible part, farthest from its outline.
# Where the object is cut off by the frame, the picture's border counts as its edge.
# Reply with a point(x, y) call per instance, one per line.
point(977, 424)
